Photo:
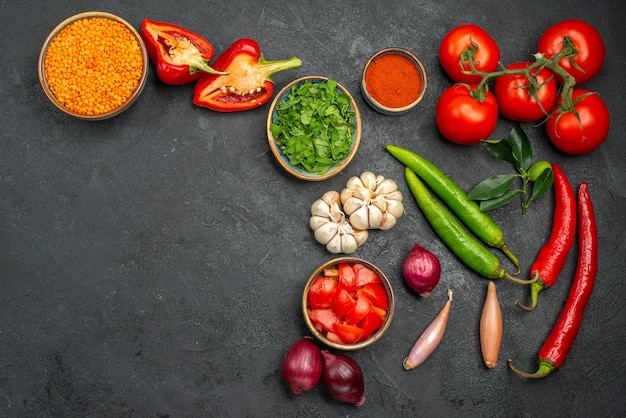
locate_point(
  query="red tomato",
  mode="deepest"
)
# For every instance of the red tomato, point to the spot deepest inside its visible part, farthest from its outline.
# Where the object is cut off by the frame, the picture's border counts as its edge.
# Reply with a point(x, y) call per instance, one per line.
point(331, 336)
point(363, 307)
point(365, 275)
point(349, 334)
point(582, 130)
point(343, 303)
point(379, 311)
point(370, 324)
point(376, 293)
point(585, 39)
point(322, 293)
point(523, 101)
point(347, 277)
point(463, 119)
point(464, 40)
point(323, 319)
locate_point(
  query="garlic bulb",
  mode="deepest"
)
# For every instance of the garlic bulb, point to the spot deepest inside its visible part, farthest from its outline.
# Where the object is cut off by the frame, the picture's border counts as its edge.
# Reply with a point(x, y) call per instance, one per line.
point(372, 202)
point(331, 228)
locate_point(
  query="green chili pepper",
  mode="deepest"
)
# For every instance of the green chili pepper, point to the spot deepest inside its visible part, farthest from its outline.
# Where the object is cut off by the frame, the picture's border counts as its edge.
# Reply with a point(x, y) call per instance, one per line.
point(479, 222)
point(470, 251)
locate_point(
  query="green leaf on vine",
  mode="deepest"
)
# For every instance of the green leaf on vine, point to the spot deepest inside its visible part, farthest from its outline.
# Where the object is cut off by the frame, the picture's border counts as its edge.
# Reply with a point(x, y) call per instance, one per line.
point(542, 184)
point(487, 205)
point(498, 190)
point(492, 187)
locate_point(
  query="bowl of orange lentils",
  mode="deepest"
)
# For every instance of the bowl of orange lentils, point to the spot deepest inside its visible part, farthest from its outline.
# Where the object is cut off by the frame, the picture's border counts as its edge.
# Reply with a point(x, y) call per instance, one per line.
point(93, 65)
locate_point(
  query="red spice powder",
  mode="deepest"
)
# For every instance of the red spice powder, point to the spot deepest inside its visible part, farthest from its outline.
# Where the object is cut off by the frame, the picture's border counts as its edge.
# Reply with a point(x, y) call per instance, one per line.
point(393, 80)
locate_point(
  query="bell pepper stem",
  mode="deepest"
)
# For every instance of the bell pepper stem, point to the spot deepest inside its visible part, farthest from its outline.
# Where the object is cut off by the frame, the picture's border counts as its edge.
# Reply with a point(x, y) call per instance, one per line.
point(202, 65)
point(272, 67)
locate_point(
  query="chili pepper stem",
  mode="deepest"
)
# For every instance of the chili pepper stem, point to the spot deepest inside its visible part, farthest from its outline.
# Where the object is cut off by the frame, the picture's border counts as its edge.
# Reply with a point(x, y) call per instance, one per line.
point(273, 67)
point(535, 288)
point(545, 368)
point(507, 251)
point(505, 275)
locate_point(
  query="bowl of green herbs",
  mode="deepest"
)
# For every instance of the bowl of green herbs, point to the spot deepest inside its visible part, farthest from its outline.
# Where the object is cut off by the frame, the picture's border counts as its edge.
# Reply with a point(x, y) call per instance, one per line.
point(314, 128)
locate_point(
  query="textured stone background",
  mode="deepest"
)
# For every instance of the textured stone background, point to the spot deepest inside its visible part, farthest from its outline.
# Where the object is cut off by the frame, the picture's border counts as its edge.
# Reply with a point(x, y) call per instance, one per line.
point(152, 264)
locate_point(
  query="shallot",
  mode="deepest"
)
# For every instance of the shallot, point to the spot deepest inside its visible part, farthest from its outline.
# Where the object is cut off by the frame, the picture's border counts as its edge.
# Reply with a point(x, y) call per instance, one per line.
point(302, 366)
point(430, 338)
point(343, 378)
point(421, 270)
point(491, 327)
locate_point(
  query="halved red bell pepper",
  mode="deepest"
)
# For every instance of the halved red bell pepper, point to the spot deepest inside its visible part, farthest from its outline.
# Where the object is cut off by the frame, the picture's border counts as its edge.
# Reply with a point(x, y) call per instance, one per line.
point(249, 82)
point(179, 55)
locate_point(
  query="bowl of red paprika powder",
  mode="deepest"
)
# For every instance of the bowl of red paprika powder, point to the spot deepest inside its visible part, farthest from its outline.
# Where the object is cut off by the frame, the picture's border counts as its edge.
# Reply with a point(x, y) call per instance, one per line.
point(394, 81)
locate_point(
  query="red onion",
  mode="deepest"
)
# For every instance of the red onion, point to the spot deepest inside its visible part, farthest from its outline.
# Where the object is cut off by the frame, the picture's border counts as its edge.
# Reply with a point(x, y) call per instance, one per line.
point(302, 366)
point(421, 270)
point(343, 378)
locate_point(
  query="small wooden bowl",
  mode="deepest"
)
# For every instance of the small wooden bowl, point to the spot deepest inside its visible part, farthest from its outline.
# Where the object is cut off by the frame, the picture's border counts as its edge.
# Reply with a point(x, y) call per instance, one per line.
point(372, 338)
point(42, 71)
point(284, 161)
point(387, 110)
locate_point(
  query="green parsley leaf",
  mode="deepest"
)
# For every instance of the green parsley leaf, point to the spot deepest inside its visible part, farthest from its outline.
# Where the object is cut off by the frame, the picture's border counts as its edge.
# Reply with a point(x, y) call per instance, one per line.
point(314, 126)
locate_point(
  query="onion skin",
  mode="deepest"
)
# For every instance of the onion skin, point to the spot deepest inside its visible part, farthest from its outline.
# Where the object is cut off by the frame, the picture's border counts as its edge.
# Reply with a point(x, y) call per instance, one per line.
point(302, 366)
point(343, 378)
point(491, 327)
point(421, 270)
point(430, 338)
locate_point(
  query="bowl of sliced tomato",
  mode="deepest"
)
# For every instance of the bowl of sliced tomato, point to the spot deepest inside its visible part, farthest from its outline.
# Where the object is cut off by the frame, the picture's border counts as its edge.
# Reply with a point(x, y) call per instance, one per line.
point(348, 303)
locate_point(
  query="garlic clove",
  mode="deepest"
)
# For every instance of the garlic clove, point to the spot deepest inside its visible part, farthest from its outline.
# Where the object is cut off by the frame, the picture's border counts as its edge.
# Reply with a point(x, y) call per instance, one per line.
point(388, 221)
point(361, 236)
point(320, 208)
point(354, 183)
point(395, 208)
point(317, 221)
point(375, 216)
point(385, 187)
point(334, 244)
point(326, 232)
point(349, 244)
point(359, 219)
point(352, 205)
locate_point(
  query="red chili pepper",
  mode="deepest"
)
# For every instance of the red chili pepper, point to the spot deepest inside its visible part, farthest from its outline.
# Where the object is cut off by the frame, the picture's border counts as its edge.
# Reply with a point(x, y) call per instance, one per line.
point(552, 256)
point(249, 83)
point(179, 55)
point(558, 344)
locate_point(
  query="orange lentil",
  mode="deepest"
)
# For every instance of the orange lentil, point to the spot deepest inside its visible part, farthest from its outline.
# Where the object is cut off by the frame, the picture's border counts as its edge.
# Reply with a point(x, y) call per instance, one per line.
point(393, 80)
point(93, 65)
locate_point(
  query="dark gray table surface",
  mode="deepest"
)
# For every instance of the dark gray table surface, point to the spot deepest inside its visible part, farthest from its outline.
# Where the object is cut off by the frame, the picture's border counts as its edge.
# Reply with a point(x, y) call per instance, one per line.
point(153, 264)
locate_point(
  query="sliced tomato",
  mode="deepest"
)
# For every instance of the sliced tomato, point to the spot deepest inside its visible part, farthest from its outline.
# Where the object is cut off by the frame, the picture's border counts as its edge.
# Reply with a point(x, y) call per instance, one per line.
point(365, 275)
point(331, 336)
point(376, 293)
point(343, 303)
point(331, 272)
point(363, 307)
point(323, 319)
point(348, 334)
point(322, 293)
point(347, 277)
point(379, 311)
point(370, 324)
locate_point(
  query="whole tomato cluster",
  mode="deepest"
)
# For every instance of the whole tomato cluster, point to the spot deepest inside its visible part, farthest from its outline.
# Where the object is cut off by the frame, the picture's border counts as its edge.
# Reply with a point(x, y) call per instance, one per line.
point(568, 54)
